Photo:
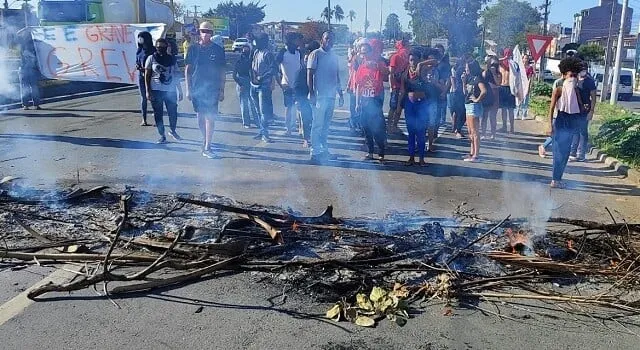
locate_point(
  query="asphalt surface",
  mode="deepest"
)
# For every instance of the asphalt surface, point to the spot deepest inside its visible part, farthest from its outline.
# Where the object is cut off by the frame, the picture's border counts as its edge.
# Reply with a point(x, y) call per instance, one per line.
point(98, 140)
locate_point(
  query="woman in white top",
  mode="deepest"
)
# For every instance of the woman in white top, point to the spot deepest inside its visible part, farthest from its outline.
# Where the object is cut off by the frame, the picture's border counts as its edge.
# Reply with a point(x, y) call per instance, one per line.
point(163, 88)
point(566, 100)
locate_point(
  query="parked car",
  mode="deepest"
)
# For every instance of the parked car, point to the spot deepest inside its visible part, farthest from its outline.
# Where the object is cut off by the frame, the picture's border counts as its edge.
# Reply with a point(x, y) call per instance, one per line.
point(239, 44)
point(625, 85)
point(548, 75)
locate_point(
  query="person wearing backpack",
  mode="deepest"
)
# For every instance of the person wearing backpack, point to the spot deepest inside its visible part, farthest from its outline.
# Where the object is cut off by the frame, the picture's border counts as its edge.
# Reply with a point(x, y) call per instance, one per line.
point(566, 100)
point(491, 102)
point(475, 93)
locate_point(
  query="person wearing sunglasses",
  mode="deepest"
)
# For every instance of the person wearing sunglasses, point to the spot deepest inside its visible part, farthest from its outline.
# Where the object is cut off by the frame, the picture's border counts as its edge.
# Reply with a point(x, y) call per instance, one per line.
point(205, 82)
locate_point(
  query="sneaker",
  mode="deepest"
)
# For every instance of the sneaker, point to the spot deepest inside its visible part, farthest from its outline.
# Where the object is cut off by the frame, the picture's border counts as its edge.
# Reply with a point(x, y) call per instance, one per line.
point(267, 139)
point(39, 108)
point(556, 184)
point(257, 137)
point(582, 159)
point(246, 126)
point(459, 135)
point(315, 160)
point(208, 154)
point(175, 136)
point(368, 156)
point(573, 158)
point(144, 123)
point(542, 152)
point(470, 159)
point(162, 140)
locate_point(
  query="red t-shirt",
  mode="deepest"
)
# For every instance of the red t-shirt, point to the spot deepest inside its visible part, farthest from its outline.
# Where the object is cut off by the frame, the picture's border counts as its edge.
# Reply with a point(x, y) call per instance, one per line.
point(399, 63)
point(369, 78)
point(530, 71)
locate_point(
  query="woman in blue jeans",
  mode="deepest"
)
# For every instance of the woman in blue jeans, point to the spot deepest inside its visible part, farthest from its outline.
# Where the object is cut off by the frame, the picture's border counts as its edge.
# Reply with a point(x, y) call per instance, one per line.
point(145, 49)
point(566, 100)
point(420, 108)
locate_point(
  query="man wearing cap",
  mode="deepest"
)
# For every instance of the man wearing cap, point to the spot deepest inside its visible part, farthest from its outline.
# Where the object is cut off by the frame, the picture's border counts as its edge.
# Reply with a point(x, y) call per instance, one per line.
point(507, 98)
point(205, 80)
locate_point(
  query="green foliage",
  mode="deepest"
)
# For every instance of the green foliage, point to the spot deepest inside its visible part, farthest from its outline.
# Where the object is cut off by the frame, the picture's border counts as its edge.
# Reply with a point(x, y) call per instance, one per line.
point(541, 89)
point(591, 52)
point(392, 27)
point(619, 136)
point(539, 105)
point(241, 16)
point(508, 20)
point(454, 20)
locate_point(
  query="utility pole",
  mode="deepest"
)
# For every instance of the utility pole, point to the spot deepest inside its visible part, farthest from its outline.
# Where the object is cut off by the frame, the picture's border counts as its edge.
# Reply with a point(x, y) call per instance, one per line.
point(618, 66)
point(381, 17)
point(26, 13)
point(543, 61)
point(329, 13)
point(607, 56)
point(366, 16)
point(195, 11)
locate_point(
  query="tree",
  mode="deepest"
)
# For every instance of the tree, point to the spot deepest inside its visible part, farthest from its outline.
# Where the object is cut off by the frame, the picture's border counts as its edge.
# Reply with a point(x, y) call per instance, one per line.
point(241, 16)
point(338, 13)
point(507, 20)
point(591, 52)
point(451, 19)
point(327, 14)
point(179, 9)
point(351, 16)
point(392, 27)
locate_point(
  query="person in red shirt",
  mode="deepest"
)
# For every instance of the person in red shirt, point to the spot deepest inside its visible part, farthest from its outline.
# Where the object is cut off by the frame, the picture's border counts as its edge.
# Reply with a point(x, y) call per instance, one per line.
point(369, 84)
point(397, 68)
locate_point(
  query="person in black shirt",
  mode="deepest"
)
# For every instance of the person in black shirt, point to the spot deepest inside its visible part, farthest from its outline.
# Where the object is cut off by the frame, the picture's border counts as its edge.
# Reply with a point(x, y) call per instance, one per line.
point(145, 49)
point(29, 74)
point(242, 77)
point(205, 81)
point(587, 89)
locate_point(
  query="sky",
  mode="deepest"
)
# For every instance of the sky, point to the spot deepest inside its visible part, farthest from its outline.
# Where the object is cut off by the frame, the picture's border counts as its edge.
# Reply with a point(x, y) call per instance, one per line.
point(562, 11)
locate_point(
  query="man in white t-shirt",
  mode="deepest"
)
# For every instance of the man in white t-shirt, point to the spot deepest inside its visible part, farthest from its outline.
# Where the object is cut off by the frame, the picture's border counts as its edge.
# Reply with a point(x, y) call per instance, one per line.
point(289, 62)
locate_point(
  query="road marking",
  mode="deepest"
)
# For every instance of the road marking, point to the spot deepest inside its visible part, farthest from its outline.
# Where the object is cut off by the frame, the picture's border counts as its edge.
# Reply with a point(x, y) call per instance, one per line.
point(20, 302)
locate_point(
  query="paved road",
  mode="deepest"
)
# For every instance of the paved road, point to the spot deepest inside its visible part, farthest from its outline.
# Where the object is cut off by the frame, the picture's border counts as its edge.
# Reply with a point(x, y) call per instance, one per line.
point(99, 138)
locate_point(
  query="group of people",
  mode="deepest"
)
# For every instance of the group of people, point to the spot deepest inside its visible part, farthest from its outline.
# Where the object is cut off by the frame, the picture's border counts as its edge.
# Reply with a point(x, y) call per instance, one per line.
point(423, 84)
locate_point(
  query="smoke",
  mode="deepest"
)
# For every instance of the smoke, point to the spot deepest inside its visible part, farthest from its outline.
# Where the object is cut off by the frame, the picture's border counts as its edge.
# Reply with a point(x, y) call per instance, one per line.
point(8, 75)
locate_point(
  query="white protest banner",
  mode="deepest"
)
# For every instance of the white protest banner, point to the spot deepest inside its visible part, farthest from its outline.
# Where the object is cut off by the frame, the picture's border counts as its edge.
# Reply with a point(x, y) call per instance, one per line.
point(104, 52)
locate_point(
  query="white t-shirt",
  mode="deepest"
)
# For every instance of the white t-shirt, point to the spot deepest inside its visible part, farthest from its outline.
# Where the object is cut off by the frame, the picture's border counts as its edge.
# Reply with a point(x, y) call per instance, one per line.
point(163, 78)
point(290, 67)
point(326, 67)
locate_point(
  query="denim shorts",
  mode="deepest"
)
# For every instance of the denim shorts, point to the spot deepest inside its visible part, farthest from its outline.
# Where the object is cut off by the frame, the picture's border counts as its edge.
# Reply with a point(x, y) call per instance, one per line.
point(474, 109)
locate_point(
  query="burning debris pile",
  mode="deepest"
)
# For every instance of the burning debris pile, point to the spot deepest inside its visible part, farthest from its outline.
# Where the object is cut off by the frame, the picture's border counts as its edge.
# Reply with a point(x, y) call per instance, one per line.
point(137, 241)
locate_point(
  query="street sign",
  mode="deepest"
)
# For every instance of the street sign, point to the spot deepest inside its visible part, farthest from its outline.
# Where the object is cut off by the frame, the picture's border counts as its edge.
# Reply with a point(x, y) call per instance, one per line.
point(538, 45)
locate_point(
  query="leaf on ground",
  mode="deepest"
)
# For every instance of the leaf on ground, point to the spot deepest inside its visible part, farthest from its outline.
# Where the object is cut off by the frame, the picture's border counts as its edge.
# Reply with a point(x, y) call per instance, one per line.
point(377, 294)
point(363, 302)
point(401, 321)
point(365, 321)
point(334, 312)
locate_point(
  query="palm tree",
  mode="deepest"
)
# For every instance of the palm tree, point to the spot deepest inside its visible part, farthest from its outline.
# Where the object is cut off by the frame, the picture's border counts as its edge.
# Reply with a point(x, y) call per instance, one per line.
point(351, 16)
point(327, 14)
point(338, 13)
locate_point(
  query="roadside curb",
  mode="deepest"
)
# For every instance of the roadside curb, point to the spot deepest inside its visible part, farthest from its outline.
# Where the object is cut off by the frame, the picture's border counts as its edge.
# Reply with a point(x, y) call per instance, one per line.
point(632, 174)
point(17, 105)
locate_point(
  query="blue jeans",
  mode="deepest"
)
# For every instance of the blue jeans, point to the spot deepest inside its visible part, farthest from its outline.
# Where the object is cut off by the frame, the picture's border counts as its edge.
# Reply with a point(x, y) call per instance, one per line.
point(372, 119)
point(322, 115)
point(547, 142)
point(442, 112)
point(29, 89)
point(170, 100)
point(353, 120)
point(306, 115)
point(416, 117)
point(457, 110)
point(143, 97)
point(262, 100)
point(564, 128)
point(244, 96)
point(431, 109)
point(580, 138)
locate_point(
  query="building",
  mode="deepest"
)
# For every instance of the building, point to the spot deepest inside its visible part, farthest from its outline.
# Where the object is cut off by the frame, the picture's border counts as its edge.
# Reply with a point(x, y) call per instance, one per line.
point(629, 47)
point(594, 22)
point(561, 37)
